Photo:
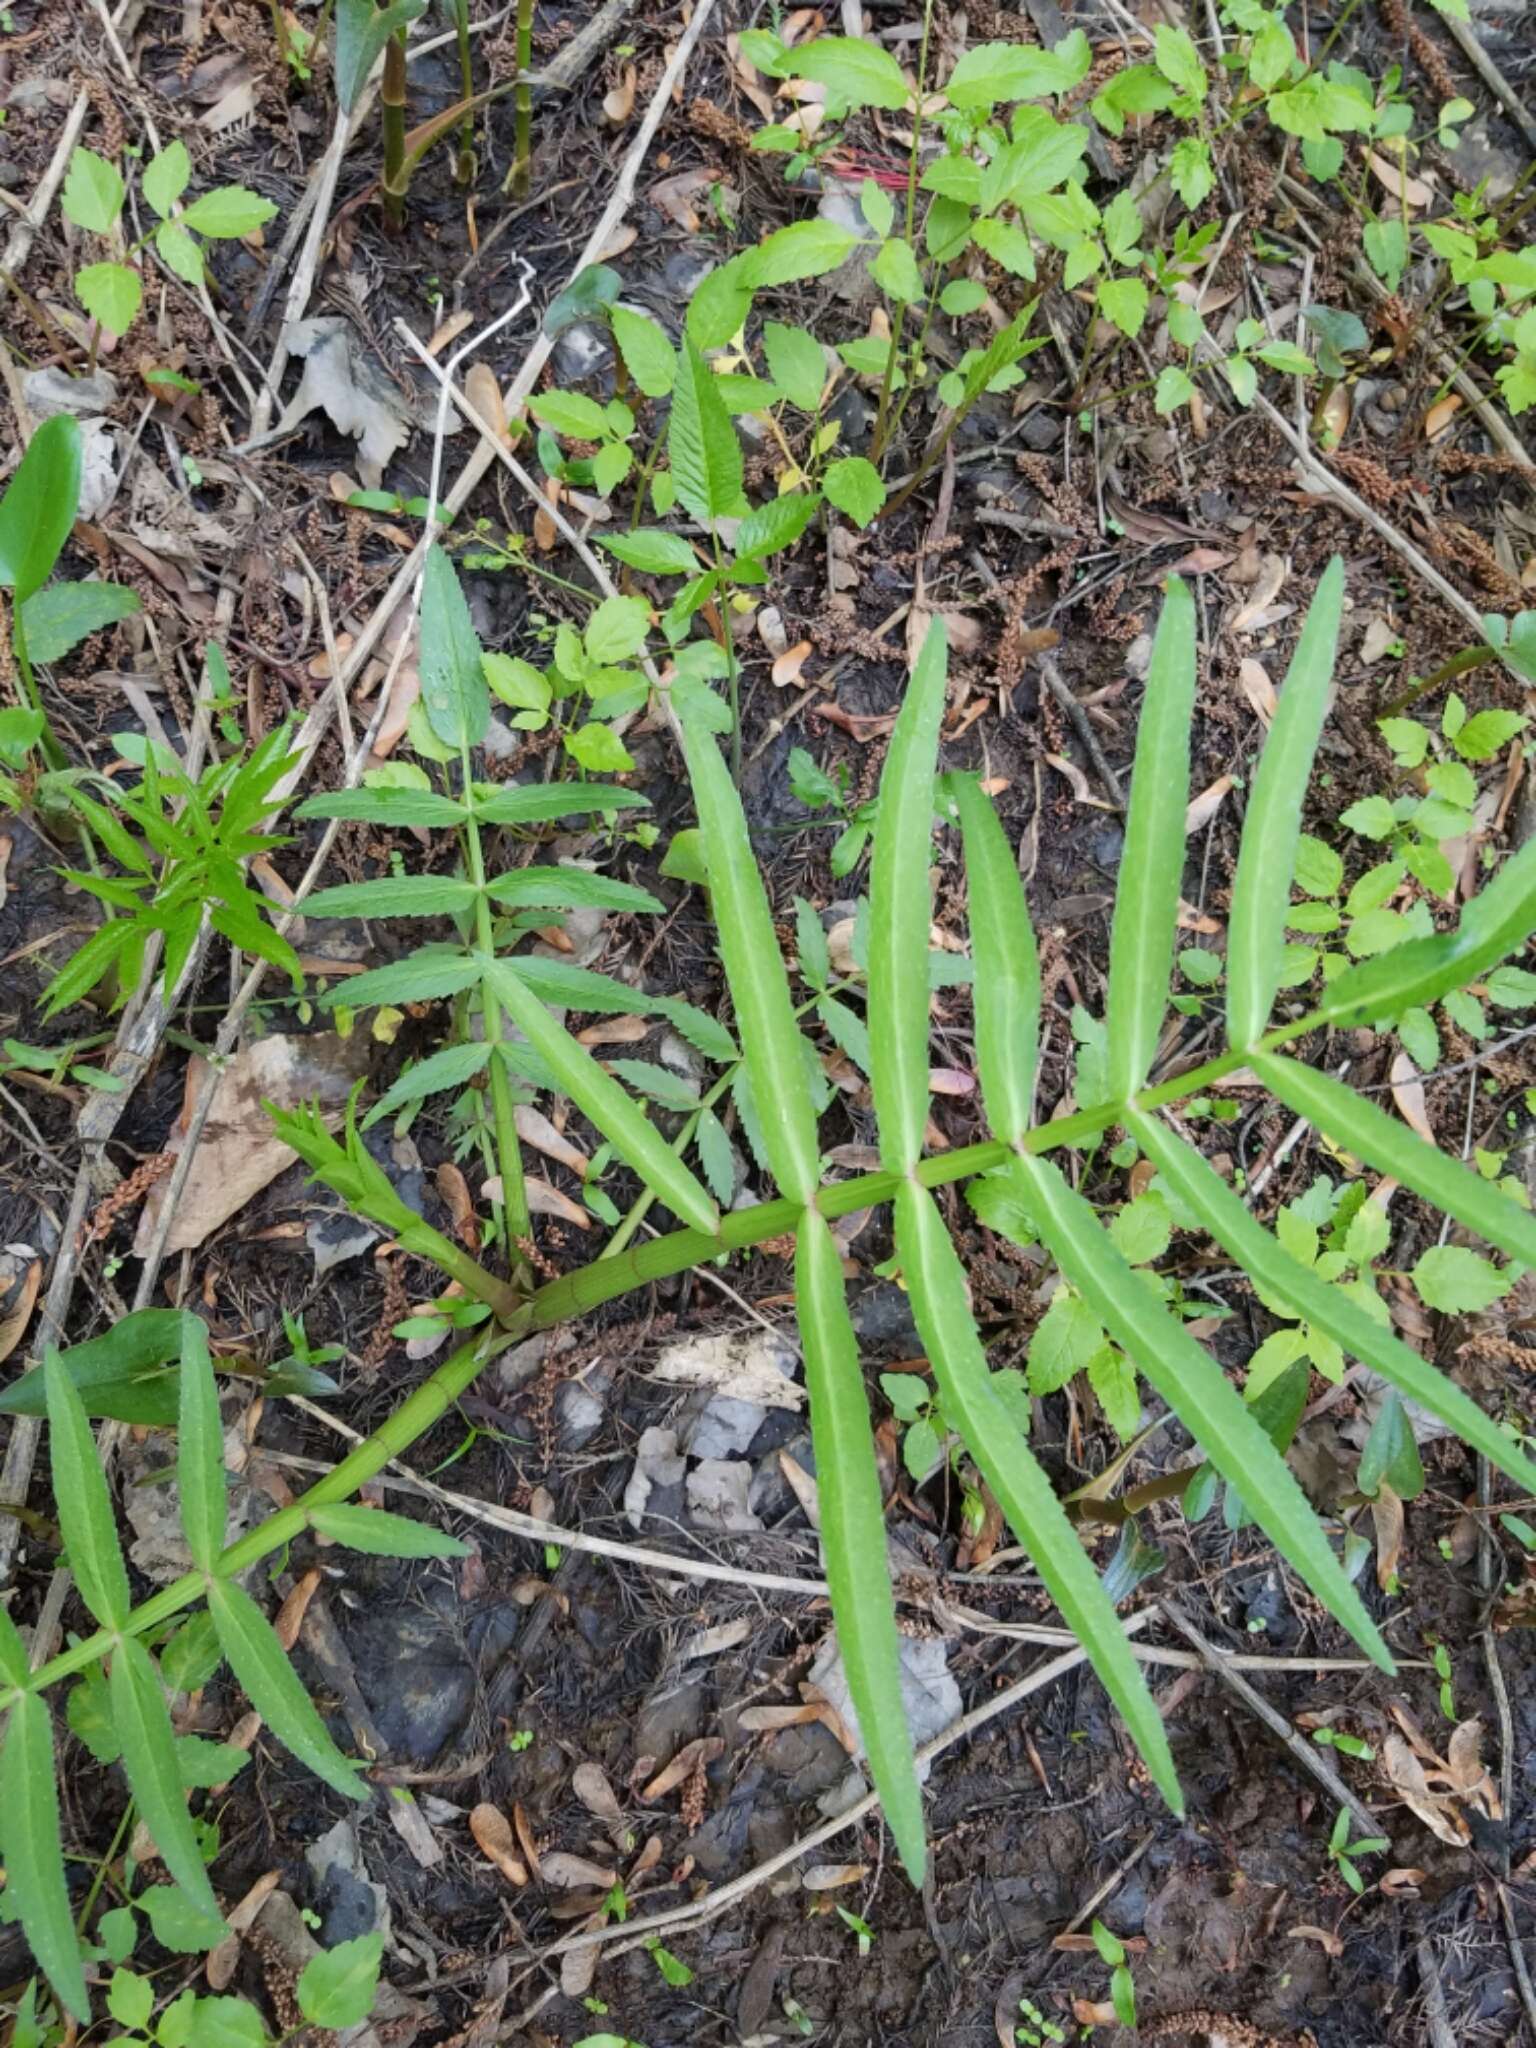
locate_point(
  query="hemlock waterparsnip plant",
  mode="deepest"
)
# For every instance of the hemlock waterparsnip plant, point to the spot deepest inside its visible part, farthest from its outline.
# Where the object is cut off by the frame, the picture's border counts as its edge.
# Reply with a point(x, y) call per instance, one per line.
point(1011, 1182)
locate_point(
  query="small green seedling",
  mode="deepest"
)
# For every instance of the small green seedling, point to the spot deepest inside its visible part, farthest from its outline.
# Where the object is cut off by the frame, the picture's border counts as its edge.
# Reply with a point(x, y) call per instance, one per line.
point(1342, 1851)
point(1034, 2030)
point(1122, 1988)
point(1346, 1745)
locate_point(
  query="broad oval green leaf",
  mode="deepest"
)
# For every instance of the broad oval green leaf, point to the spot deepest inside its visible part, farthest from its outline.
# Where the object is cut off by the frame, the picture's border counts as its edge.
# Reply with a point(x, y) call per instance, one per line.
point(453, 686)
point(384, 1535)
point(83, 1502)
point(806, 248)
point(274, 1689)
point(1266, 861)
point(598, 1096)
point(59, 618)
point(942, 1310)
point(648, 356)
point(754, 968)
point(128, 1355)
point(653, 551)
point(143, 1725)
point(39, 506)
point(1152, 864)
point(1194, 1386)
point(1391, 1147)
point(901, 911)
point(1234, 1227)
point(338, 1986)
point(702, 446)
point(1006, 995)
point(200, 1450)
point(853, 1531)
point(1497, 920)
point(394, 896)
point(34, 1852)
point(861, 74)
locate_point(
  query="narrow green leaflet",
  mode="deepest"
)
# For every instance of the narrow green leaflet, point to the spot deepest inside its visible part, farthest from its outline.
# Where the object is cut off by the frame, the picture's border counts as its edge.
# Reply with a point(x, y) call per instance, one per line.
point(568, 889)
point(384, 1535)
point(535, 803)
point(453, 685)
point(1261, 890)
point(38, 508)
point(1421, 971)
point(1196, 1389)
point(853, 1531)
point(1232, 1225)
point(385, 807)
point(754, 967)
point(599, 1097)
point(419, 978)
point(653, 551)
point(394, 896)
point(702, 444)
point(200, 1450)
point(454, 1067)
point(1152, 865)
point(362, 30)
point(1392, 1148)
point(274, 1688)
point(84, 1504)
point(901, 910)
point(143, 1726)
point(941, 1308)
point(1007, 990)
point(34, 1852)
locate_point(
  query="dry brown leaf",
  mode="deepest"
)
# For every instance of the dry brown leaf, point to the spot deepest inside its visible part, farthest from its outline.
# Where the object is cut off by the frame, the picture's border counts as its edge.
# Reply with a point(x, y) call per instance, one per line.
point(1405, 188)
point(460, 1203)
point(578, 1966)
point(1270, 581)
point(703, 1750)
point(1408, 1094)
point(1078, 782)
point(570, 1873)
point(1406, 1775)
point(1203, 808)
point(671, 196)
point(525, 1840)
point(786, 668)
point(450, 330)
point(290, 1616)
point(534, 1128)
point(829, 1877)
point(23, 1291)
point(1334, 416)
point(482, 388)
point(1090, 2013)
point(619, 104)
point(413, 1827)
point(493, 1838)
point(589, 1782)
point(1379, 638)
point(1403, 1883)
point(623, 237)
point(766, 1720)
point(1387, 1517)
point(1321, 1935)
point(614, 1031)
point(224, 1960)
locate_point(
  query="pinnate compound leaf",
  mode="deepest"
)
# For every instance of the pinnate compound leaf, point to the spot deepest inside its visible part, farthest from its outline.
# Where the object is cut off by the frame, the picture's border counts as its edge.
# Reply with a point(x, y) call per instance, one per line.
point(84, 1504)
point(453, 686)
point(1196, 1389)
point(455, 1066)
point(38, 508)
point(560, 888)
point(338, 1986)
point(34, 1852)
point(154, 1774)
point(1222, 1212)
point(901, 901)
point(274, 1687)
point(1392, 1148)
point(754, 966)
point(381, 1534)
point(600, 1098)
point(60, 617)
point(1147, 907)
point(423, 977)
point(702, 445)
point(1261, 890)
point(200, 1450)
point(942, 1311)
point(1007, 988)
point(853, 1531)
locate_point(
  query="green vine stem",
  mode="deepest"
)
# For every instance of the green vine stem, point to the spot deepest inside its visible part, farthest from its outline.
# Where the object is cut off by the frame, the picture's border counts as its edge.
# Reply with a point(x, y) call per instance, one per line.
point(509, 1156)
point(392, 91)
point(464, 162)
point(522, 144)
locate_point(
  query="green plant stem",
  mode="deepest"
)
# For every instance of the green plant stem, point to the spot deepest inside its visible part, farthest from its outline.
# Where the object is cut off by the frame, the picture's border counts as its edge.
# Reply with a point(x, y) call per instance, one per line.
point(884, 425)
point(514, 1194)
point(522, 61)
point(577, 1293)
point(732, 671)
point(1458, 665)
point(464, 165)
point(392, 91)
point(82, 1918)
point(53, 753)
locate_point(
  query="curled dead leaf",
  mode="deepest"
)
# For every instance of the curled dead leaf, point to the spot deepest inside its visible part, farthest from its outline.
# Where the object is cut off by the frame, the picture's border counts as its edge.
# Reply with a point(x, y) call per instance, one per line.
point(570, 1873)
point(21, 1288)
point(1403, 186)
point(1323, 1936)
point(704, 1750)
point(1402, 1884)
point(1387, 1518)
point(619, 104)
point(1203, 808)
point(1408, 1094)
point(290, 1616)
point(482, 388)
point(786, 669)
point(1406, 1775)
point(589, 1782)
point(1268, 584)
point(827, 1877)
point(534, 1128)
point(493, 1838)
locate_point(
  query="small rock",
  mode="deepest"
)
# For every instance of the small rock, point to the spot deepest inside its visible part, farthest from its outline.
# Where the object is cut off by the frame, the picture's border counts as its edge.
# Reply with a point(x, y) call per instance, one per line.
point(1137, 658)
point(579, 1412)
point(581, 352)
point(722, 1428)
point(1041, 430)
point(655, 1485)
point(716, 1491)
point(337, 1237)
point(929, 1693)
point(51, 391)
point(349, 1900)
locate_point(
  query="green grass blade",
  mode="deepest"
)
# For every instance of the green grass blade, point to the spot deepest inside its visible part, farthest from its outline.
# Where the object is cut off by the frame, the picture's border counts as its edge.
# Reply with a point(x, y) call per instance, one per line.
point(200, 1450)
point(1499, 919)
point(853, 1532)
point(1272, 1268)
point(901, 910)
point(274, 1689)
point(754, 967)
point(598, 1096)
point(1393, 1149)
point(1266, 861)
point(34, 1852)
point(1152, 864)
point(1007, 961)
point(1195, 1388)
point(84, 1504)
point(941, 1308)
point(143, 1726)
